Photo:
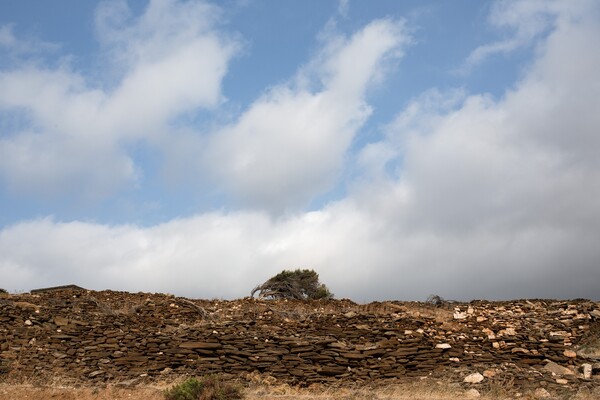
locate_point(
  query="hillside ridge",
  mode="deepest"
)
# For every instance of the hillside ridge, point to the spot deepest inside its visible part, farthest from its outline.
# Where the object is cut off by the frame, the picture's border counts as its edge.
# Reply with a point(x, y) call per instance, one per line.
point(104, 336)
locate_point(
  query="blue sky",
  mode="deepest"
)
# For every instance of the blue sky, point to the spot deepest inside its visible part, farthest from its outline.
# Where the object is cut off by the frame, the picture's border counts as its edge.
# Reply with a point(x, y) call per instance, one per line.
point(449, 145)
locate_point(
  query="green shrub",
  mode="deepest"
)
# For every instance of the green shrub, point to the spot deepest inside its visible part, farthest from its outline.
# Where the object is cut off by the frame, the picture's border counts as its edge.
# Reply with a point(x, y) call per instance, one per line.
point(208, 388)
point(301, 284)
point(3, 291)
point(188, 390)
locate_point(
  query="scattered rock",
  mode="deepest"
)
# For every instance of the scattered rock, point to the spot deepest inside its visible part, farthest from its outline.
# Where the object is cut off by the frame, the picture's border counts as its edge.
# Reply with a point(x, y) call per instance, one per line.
point(587, 371)
point(541, 393)
point(474, 378)
point(61, 321)
point(460, 315)
point(570, 353)
point(489, 373)
point(473, 393)
point(556, 369)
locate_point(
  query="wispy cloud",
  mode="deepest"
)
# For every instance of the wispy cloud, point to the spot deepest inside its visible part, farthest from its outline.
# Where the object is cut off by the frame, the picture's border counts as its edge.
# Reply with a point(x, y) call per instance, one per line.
point(523, 23)
point(343, 8)
point(289, 145)
point(14, 46)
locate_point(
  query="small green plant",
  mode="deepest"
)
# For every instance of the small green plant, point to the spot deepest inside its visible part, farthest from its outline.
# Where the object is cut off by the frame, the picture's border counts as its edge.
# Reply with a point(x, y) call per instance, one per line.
point(208, 388)
point(188, 390)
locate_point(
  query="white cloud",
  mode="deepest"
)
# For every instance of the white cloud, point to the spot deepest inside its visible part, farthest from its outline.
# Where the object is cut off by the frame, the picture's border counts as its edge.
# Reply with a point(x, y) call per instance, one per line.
point(526, 21)
point(488, 198)
point(290, 144)
point(173, 57)
point(169, 61)
point(34, 163)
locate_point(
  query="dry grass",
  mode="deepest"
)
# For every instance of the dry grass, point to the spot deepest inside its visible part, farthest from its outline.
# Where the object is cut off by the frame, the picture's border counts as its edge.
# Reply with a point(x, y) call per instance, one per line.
point(407, 391)
point(590, 345)
point(399, 392)
point(267, 388)
point(17, 392)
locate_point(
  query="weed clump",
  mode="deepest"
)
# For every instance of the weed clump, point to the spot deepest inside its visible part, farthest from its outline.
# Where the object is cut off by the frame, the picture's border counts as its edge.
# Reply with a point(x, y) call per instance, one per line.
point(207, 388)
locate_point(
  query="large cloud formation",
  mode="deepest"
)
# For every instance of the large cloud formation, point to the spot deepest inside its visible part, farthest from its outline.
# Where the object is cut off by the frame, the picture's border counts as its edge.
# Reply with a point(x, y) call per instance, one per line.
point(466, 196)
point(71, 135)
point(289, 145)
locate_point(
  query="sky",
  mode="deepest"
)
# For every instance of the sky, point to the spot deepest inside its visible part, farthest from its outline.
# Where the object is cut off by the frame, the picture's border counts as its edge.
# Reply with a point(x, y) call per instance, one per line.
point(398, 148)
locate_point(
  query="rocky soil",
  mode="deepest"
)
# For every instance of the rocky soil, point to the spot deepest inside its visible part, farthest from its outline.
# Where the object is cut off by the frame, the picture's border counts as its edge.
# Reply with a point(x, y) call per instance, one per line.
point(93, 337)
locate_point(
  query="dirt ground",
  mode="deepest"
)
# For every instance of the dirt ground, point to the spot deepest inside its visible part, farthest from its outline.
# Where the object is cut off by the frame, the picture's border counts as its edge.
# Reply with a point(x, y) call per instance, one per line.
point(409, 391)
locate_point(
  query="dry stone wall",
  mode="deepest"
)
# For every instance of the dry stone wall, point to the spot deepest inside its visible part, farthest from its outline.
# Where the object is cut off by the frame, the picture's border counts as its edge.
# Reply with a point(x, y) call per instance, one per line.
point(104, 336)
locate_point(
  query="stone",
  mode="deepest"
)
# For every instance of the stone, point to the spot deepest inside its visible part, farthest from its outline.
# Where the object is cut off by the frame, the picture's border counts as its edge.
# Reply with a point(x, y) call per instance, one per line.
point(561, 381)
point(587, 371)
point(541, 393)
point(556, 369)
point(61, 321)
point(331, 370)
point(508, 332)
point(473, 378)
point(489, 373)
point(519, 350)
point(473, 393)
point(558, 335)
point(569, 353)
point(201, 345)
point(296, 343)
point(354, 356)
point(460, 315)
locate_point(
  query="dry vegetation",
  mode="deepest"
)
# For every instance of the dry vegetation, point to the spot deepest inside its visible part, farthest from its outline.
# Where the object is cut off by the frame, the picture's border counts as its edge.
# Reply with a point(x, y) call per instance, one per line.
point(424, 390)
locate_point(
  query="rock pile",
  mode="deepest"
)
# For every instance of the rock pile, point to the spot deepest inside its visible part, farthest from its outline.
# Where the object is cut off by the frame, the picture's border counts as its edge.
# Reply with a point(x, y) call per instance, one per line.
point(102, 336)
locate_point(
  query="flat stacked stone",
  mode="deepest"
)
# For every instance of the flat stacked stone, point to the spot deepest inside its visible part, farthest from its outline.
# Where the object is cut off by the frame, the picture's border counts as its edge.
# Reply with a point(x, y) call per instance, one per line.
point(98, 336)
